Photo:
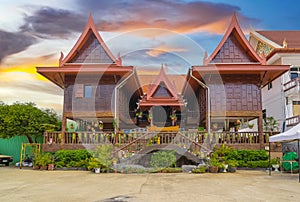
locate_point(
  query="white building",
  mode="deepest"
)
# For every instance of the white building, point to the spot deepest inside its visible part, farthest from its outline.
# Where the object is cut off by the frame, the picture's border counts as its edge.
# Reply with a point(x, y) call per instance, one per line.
point(281, 98)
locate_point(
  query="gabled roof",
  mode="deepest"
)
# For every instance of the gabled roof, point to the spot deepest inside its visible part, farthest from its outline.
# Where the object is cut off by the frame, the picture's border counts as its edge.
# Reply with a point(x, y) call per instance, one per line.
point(241, 48)
point(157, 85)
point(146, 79)
point(292, 37)
point(89, 34)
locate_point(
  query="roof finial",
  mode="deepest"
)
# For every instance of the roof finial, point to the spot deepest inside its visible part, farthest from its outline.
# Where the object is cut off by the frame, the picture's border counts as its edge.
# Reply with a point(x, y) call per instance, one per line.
point(234, 16)
point(284, 43)
point(205, 61)
point(119, 60)
point(61, 58)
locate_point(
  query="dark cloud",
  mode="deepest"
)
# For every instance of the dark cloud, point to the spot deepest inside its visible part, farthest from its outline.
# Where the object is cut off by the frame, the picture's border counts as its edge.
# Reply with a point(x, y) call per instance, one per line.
point(49, 22)
point(11, 43)
point(175, 15)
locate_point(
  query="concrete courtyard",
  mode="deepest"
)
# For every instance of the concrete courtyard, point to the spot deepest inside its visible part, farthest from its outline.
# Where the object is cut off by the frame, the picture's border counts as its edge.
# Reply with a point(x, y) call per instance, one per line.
point(30, 185)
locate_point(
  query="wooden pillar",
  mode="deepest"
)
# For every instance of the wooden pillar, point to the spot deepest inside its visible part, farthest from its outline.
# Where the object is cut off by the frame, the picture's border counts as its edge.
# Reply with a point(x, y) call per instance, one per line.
point(63, 128)
point(260, 131)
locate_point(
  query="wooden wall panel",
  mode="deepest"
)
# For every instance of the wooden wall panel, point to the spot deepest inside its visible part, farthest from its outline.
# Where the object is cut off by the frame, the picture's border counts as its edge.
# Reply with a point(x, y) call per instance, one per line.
point(238, 93)
point(232, 52)
point(103, 87)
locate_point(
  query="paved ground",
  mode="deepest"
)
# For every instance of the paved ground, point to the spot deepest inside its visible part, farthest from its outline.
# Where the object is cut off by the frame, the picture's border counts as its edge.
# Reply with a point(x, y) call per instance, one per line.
point(30, 185)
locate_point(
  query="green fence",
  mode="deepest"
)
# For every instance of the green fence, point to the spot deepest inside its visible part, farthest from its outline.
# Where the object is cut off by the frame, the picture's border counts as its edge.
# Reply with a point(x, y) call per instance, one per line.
point(12, 146)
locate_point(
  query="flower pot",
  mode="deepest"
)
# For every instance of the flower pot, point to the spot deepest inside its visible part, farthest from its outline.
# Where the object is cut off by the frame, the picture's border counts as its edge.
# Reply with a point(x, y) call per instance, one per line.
point(213, 169)
point(36, 167)
point(232, 169)
point(43, 167)
point(97, 170)
point(51, 166)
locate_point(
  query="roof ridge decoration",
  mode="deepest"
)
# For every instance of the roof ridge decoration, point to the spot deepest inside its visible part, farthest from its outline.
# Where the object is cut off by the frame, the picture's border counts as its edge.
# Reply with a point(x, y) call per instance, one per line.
point(90, 28)
point(234, 25)
point(162, 77)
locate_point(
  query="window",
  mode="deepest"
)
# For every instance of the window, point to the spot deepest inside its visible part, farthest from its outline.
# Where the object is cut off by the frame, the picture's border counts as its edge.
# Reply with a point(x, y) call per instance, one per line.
point(294, 72)
point(270, 85)
point(88, 91)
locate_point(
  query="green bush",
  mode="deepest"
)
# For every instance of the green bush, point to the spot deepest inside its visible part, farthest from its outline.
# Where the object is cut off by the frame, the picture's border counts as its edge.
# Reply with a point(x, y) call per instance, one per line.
point(103, 154)
point(163, 159)
point(258, 164)
point(241, 158)
point(200, 169)
point(72, 158)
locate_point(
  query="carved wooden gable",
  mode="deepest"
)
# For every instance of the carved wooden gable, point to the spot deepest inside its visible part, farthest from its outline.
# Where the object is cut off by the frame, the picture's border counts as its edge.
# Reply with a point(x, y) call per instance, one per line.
point(162, 91)
point(232, 52)
point(91, 52)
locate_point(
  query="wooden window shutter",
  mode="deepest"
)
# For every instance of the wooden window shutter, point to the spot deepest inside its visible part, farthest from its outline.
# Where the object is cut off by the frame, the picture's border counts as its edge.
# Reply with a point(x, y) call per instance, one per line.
point(79, 90)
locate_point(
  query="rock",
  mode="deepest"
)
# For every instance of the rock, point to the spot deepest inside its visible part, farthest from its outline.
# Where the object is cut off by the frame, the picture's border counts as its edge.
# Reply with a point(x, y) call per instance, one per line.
point(187, 168)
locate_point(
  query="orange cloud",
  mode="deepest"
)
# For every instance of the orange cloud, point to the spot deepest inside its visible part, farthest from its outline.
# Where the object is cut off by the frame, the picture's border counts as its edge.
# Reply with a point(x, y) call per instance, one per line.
point(155, 52)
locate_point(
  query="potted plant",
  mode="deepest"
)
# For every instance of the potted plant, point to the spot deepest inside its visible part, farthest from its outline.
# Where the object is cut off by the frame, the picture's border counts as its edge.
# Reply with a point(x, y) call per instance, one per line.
point(275, 163)
point(139, 114)
point(232, 165)
point(101, 125)
point(37, 162)
point(94, 165)
point(173, 118)
point(45, 160)
point(250, 125)
point(213, 165)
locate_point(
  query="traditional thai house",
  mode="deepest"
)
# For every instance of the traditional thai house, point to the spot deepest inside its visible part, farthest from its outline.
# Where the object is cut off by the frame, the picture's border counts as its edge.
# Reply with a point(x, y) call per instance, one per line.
point(110, 105)
point(96, 86)
point(228, 85)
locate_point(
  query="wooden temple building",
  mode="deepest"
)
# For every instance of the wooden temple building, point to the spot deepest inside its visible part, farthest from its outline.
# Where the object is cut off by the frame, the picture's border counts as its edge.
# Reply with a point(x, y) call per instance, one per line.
point(104, 97)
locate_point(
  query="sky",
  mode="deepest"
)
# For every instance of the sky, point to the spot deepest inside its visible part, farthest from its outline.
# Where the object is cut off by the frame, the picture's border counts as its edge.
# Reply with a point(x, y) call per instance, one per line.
point(146, 33)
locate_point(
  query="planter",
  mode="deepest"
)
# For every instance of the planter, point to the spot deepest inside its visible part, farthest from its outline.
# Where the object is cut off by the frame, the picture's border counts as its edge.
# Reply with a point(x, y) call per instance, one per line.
point(51, 166)
point(97, 170)
point(43, 167)
point(36, 167)
point(213, 169)
point(276, 167)
point(232, 169)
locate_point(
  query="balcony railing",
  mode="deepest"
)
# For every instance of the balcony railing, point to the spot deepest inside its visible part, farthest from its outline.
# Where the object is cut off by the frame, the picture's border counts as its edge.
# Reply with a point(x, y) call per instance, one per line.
point(292, 121)
point(141, 139)
point(291, 86)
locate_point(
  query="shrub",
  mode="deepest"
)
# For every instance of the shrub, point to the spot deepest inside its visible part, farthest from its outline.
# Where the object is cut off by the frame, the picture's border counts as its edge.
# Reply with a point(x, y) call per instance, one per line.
point(258, 164)
point(72, 158)
point(200, 169)
point(103, 155)
point(163, 159)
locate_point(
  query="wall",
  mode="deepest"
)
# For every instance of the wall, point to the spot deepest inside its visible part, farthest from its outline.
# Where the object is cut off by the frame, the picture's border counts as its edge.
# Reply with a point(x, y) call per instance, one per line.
point(273, 101)
point(103, 87)
point(12, 146)
point(236, 93)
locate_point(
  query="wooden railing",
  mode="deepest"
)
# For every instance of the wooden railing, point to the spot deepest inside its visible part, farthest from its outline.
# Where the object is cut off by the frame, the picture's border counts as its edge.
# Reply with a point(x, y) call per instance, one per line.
point(292, 121)
point(148, 138)
point(291, 84)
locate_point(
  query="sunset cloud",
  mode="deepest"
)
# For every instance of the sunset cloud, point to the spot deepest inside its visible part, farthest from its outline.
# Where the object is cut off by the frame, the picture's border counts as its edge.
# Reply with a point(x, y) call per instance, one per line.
point(47, 22)
point(163, 49)
point(180, 16)
point(11, 43)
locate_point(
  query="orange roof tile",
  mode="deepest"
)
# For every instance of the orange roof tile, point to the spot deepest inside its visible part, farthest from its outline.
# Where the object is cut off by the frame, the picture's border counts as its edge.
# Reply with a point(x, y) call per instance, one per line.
point(292, 37)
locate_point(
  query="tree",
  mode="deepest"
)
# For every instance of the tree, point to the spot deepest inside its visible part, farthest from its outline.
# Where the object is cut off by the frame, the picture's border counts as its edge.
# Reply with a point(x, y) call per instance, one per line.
point(271, 124)
point(25, 119)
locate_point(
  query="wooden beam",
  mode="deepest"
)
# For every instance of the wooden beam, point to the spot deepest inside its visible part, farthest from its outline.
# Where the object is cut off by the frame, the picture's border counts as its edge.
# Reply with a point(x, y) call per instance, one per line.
point(236, 113)
point(107, 114)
